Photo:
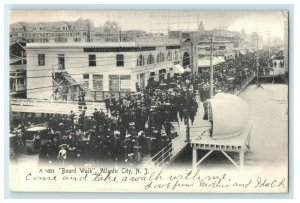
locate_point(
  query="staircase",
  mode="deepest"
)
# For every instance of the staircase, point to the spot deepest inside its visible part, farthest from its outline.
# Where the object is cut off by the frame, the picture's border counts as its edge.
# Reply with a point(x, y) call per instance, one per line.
point(83, 86)
point(242, 86)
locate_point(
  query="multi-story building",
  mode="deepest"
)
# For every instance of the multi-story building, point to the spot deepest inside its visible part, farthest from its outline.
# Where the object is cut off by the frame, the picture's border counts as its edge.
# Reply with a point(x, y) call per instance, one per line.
point(64, 70)
point(256, 41)
point(17, 69)
point(109, 32)
point(221, 50)
point(80, 30)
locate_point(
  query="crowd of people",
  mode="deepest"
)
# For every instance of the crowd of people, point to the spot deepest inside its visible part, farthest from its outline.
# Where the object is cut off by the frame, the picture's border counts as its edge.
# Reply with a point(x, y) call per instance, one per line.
point(137, 124)
point(133, 126)
point(227, 75)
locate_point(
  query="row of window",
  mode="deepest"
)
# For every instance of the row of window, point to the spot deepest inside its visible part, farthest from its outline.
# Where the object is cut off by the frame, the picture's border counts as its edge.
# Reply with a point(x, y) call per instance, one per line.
point(119, 59)
point(116, 82)
point(47, 34)
point(159, 58)
point(92, 60)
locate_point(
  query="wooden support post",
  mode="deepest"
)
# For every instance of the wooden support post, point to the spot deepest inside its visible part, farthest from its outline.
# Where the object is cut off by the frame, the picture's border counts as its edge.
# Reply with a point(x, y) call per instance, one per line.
point(204, 157)
point(194, 158)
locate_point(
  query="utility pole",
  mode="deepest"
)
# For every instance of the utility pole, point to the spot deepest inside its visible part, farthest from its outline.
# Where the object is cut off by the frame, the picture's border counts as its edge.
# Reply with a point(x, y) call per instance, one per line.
point(192, 59)
point(211, 81)
point(257, 64)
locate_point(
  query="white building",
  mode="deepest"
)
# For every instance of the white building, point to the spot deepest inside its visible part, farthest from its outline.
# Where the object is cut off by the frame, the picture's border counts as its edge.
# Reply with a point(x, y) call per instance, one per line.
point(222, 51)
point(98, 69)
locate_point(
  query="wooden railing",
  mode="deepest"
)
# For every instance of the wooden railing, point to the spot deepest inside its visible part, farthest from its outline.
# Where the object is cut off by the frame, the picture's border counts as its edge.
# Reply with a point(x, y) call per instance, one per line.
point(244, 83)
point(53, 106)
point(161, 158)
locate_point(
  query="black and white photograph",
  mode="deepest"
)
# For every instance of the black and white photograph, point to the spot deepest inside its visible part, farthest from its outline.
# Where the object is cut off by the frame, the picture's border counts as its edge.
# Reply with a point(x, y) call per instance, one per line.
point(149, 101)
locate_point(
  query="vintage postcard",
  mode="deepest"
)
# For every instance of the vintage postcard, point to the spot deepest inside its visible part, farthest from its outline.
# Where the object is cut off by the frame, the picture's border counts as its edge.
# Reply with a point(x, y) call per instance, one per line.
point(188, 101)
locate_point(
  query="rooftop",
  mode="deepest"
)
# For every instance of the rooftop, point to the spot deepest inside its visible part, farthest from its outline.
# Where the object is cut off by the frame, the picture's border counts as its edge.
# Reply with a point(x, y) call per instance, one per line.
point(151, 42)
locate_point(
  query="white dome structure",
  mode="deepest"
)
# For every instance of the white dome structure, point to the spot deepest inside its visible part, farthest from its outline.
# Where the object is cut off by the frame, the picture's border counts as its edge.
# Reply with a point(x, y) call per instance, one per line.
point(229, 115)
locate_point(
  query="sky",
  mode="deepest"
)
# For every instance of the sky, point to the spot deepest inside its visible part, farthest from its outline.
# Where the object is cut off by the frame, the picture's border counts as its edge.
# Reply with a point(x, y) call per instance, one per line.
point(161, 21)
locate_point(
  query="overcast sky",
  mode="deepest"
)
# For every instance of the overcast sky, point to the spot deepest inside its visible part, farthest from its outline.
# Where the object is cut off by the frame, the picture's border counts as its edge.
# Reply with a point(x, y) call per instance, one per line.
point(161, 21)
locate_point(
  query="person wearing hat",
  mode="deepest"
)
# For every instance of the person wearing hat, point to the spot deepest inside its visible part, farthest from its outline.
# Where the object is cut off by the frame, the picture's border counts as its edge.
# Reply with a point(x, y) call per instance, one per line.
point(62, 154)
point(107, 103)
point(37, 142)
point(127, 145)
point(116, 146)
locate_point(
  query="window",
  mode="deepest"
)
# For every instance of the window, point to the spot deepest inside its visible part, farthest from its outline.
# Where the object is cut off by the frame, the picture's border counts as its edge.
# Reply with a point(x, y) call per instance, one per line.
point(176, 55)
point(120, 83)
point(61, 61)
point(120, 60)
point(162, 74)
point(21, 81)
point(150, 59)
point(92, 60)
point(140, 61)
point(222, 47)
point(41, 59)
point(86, 78)
point(77, 39)
point(169, 56)
point(152, 76)
point(98, 82)
point(160, 58)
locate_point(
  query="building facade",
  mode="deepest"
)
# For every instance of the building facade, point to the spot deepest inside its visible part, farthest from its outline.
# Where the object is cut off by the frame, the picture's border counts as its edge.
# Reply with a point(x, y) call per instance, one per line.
point(65, 70)
point(80, 30)
point(17, 69)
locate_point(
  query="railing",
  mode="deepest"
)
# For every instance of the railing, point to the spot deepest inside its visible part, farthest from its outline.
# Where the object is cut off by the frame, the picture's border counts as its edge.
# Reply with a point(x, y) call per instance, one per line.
point(244, 83)
point(54, 106)
point(24, 102)
point(162, 157)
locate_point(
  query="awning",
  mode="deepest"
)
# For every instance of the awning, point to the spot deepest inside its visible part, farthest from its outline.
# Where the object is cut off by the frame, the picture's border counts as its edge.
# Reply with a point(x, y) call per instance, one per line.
point(178, 69)
point(187, 70)
point(242, 52)
point(205, 62)
point(250, 50)
point(221, 59)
